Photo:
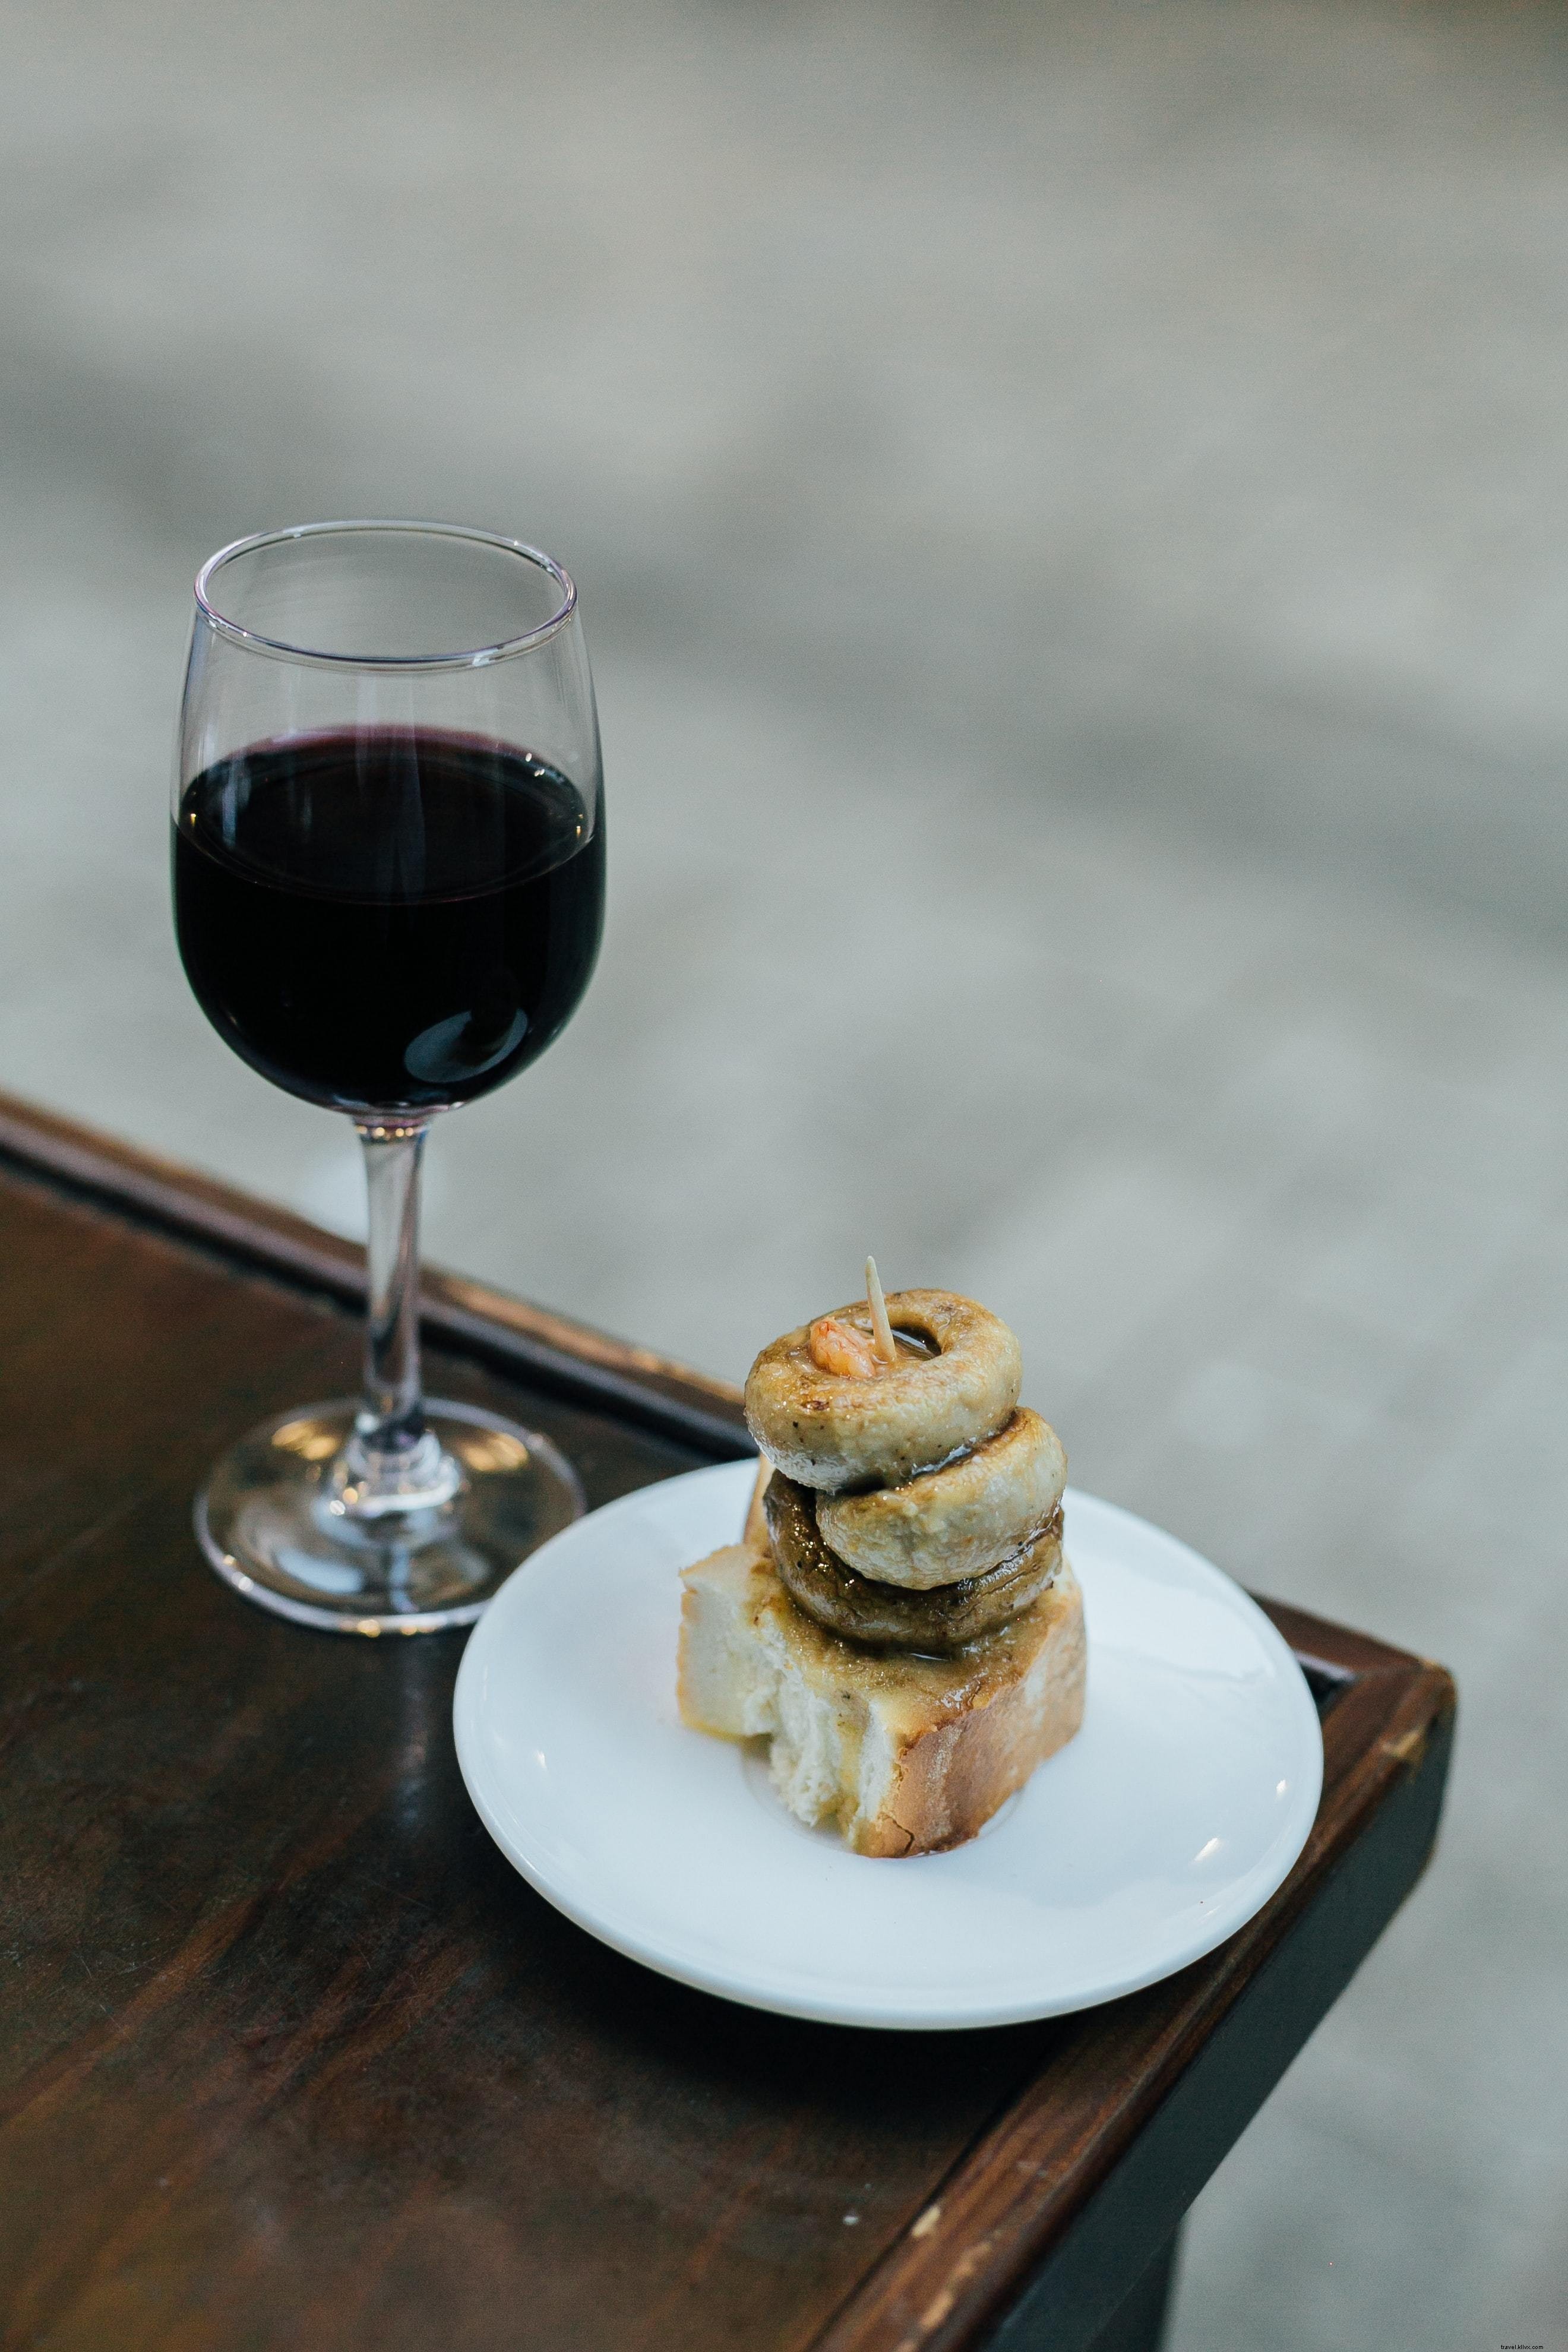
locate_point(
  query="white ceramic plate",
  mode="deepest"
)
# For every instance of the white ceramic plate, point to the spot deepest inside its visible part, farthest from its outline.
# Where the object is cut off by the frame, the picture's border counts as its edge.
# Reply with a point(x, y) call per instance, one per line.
point(1152, 1837)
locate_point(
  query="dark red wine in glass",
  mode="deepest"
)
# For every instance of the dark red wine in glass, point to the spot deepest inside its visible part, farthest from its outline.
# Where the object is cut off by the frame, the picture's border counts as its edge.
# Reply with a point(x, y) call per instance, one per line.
point(387, 922)
point(389, 887)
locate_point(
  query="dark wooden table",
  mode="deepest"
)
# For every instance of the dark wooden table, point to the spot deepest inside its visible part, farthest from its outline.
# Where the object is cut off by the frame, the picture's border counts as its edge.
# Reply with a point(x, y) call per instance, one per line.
point(290, 2057)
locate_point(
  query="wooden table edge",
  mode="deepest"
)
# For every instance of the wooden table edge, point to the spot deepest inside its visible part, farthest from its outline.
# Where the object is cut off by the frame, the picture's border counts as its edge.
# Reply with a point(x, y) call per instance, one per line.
point(962, 2261)
point(551, 1352)
point(949, 2280)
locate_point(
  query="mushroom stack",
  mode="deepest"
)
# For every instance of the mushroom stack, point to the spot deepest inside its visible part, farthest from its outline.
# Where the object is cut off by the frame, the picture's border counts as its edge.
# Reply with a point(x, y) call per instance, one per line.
point(899, 1621)
point(914, 1505)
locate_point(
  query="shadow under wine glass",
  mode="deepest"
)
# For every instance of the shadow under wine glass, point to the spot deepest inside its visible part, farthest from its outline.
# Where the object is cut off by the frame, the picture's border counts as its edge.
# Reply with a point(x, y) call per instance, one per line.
point(389, 882)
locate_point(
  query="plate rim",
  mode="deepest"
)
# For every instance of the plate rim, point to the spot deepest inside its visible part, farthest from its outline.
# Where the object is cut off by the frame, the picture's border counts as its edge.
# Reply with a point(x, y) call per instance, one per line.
point(753, 1992)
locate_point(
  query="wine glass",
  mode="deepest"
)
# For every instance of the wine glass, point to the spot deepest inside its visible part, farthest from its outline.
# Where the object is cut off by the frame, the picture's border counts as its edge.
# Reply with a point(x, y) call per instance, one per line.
point(389, 886)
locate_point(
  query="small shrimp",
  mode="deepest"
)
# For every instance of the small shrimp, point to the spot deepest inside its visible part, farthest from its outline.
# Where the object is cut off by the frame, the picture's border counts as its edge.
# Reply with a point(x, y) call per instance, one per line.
point(838, 1348)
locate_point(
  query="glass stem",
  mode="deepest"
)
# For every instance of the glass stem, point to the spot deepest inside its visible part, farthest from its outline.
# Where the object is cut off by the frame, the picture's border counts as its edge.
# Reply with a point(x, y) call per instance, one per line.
point(392, 1419)
point(393, 1462)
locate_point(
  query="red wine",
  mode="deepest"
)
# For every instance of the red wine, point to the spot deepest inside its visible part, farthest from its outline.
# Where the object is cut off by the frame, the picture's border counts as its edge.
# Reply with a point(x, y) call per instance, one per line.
point(387, 920)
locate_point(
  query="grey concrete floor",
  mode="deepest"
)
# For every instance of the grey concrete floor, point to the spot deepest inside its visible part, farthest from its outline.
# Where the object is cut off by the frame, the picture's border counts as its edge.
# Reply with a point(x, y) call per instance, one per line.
point(1068, 504)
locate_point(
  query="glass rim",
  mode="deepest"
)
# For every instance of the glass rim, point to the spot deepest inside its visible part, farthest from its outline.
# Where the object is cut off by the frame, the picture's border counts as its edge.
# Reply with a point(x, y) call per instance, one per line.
point(468, 657)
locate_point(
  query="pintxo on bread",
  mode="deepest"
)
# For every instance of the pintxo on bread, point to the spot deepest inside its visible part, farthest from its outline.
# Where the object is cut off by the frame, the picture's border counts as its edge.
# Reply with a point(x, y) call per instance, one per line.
point(899, 1621)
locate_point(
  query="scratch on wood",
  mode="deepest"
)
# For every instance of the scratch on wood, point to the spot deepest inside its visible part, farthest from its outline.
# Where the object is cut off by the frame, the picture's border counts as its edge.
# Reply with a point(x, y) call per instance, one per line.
point(927, 2222)
point(1409, 1747)
point(941, 2305)
point(935, 2311)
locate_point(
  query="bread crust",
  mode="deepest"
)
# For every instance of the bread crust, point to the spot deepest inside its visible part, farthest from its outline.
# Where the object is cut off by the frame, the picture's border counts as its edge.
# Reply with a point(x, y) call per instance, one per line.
point(907, 1754)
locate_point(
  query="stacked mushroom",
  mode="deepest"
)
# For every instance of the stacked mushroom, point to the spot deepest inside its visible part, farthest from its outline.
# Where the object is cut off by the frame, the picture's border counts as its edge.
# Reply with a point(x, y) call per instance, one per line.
point(915, 1505)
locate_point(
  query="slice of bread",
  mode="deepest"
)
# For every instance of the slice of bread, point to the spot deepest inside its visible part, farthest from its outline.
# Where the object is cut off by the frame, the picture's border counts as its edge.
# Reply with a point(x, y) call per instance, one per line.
point(905, 1755)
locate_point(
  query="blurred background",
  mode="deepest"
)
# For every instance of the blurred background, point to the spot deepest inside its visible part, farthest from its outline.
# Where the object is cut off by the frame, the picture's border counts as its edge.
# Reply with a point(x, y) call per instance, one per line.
point(1068, 505)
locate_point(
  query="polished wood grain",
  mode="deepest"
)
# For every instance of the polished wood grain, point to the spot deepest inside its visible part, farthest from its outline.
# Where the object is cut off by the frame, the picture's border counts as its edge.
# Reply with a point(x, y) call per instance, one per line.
point(289, 2057)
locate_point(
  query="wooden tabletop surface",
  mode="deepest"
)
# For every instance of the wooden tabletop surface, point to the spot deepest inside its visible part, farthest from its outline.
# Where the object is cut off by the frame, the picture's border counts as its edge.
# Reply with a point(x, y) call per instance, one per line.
point(290, 2057)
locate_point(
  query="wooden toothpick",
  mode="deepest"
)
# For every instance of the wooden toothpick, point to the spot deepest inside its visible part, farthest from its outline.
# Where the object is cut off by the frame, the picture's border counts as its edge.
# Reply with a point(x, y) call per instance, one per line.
point(887, 1347)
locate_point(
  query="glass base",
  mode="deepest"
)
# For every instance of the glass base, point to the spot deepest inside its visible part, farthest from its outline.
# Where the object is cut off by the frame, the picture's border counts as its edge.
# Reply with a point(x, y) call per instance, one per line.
point(274, 1521)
